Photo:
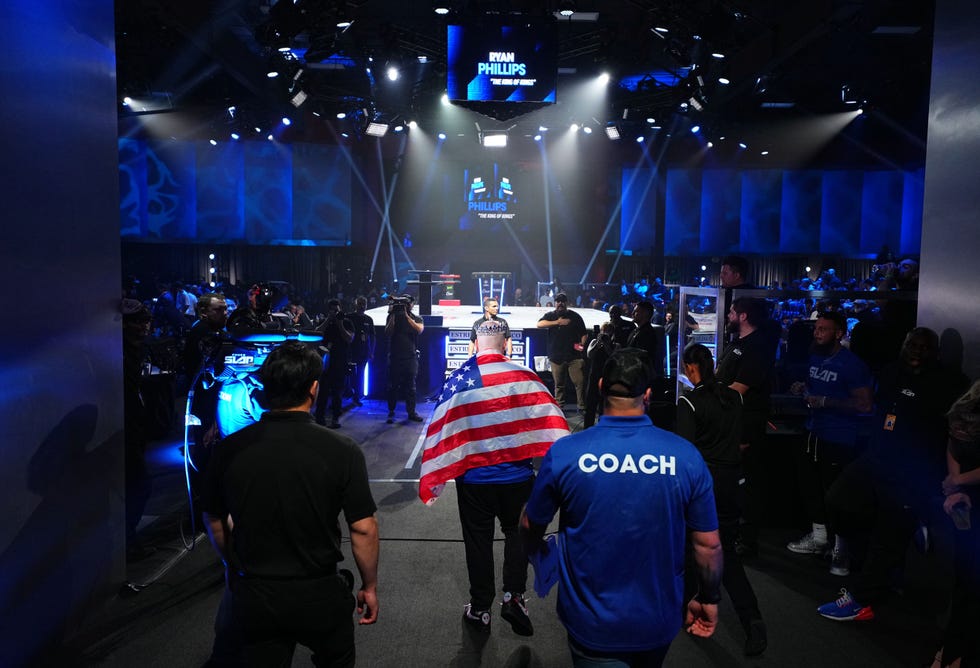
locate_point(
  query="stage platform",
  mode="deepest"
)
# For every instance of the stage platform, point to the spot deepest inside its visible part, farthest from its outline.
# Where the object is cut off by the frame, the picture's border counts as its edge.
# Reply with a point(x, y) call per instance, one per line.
point(517, 317)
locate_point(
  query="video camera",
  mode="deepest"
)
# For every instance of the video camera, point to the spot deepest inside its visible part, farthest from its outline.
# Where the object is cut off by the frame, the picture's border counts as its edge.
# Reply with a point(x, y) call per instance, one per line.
point(399, 304)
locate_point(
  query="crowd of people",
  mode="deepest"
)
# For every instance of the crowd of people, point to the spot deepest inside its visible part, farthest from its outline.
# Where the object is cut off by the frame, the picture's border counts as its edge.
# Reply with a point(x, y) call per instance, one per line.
point(892, 447)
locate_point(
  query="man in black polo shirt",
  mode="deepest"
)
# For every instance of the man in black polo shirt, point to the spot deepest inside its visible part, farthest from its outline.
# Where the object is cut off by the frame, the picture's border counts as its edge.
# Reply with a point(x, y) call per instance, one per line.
point(746, 366)
point(566, 349)
point(271, 503)
point(490, 308)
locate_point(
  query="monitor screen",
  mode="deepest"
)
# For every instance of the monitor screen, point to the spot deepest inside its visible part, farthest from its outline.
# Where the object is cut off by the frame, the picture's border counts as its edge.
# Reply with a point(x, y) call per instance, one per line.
point(494, 62)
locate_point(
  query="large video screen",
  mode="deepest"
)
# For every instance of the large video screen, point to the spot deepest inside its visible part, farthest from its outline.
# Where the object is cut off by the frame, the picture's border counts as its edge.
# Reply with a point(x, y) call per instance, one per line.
point(490, 62)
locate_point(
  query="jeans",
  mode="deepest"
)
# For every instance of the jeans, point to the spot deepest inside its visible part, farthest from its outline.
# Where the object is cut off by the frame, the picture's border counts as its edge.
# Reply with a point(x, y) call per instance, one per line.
point(587, 658)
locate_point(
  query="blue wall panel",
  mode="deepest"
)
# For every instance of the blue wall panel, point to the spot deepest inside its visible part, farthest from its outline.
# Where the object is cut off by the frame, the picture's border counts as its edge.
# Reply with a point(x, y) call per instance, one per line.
point(639, 206)
point(840, 223)
point(220, 191)
point(682, 212)
point(721, 203)
point(268, 192)
point(759, 225)
point(799, 225)
point(912, 206)
point(881, 210)
point(132, 188)
point(321, 193)
point(170, 184)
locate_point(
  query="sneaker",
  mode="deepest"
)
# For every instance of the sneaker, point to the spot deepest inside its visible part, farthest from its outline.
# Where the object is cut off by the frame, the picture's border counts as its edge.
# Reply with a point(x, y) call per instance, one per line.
point(415, 417)
point(391, 418)
point(846, 609)
point(756, 639)
point(514, 611)
point(807, 545)
point(478, 619)
point(840, 563)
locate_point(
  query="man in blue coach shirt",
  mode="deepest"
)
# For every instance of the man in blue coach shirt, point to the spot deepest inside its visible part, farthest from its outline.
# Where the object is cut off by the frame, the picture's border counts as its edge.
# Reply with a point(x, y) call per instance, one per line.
point(629, 493)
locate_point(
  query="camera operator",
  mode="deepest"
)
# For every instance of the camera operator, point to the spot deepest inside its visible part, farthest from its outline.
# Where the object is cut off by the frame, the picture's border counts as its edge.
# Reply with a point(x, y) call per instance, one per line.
point(402, 329)
point(338, 332)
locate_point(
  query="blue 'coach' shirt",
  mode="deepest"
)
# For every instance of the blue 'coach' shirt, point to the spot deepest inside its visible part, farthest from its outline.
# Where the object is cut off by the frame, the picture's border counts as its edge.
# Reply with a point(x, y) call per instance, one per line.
point(628, 493)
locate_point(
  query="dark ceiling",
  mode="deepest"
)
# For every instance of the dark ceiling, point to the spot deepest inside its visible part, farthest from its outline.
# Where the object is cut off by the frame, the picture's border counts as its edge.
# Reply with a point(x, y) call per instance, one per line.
point(786, 61)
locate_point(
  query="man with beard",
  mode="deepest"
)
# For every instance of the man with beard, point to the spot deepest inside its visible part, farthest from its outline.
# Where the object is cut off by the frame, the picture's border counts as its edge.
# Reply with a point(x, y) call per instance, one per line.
point(838, 392)
point(566, 348)
point(746, 366)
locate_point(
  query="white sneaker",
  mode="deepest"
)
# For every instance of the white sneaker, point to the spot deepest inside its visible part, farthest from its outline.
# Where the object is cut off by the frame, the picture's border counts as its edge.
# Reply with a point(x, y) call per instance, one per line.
point(807, 545)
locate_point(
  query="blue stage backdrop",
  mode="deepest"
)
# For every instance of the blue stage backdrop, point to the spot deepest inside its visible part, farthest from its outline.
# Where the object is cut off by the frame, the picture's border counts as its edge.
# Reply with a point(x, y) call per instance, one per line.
point(840, 212)
point(254, 192)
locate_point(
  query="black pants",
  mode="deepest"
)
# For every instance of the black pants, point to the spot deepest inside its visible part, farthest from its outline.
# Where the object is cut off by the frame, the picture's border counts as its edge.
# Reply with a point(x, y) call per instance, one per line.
point(879, 515)
point(332, 382)
point(819, 464)
point(752, 500)
point(479, 505)
point(733, 576)
point(260, 621)
point(401, 383)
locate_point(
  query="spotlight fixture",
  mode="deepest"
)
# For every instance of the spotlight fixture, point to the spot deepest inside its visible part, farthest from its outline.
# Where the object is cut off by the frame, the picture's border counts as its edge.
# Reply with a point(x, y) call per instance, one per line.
point(341, 115)
point(376, 129)
point(440, 7)
point(442, 135)
point(566, 9)
point(612, 132)
point(718, 55)
point(640, 139)
point(696, 129)
point(272, 74)
point(286, 121)
point(235, 136)
point(724, 81)
point(392, 73)
point(695, 104)
point(399, 128)
point(537, 137)
point(213, 142)
point(299, 98)
point(587, 130)
point(574, 127)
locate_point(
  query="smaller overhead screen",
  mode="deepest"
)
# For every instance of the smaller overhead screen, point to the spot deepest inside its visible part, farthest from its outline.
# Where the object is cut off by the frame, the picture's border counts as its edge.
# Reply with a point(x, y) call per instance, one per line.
point(497, 62)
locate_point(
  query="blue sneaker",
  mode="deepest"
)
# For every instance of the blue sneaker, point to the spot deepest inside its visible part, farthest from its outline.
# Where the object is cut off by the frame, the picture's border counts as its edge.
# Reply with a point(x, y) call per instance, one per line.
point(846, 609)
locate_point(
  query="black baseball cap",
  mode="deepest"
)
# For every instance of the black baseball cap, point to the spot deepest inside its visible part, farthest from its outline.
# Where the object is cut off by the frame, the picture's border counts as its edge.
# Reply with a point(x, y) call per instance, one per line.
point(561, 297)
point(627, 373)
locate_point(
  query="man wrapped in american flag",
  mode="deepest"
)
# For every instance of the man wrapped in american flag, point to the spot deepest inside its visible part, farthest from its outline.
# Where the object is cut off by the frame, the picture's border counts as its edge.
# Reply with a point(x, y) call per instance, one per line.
point(493, 417)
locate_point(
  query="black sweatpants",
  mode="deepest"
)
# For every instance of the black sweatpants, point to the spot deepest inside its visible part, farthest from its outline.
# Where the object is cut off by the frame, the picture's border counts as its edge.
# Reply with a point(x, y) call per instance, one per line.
point(479, 505)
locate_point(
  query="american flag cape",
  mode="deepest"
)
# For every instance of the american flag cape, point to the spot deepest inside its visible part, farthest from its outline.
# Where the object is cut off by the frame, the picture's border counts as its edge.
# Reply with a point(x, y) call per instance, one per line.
point(490, 411)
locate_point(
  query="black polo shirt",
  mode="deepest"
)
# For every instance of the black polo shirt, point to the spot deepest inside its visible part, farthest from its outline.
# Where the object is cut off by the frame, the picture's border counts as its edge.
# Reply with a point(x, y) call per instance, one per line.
point(285, 480)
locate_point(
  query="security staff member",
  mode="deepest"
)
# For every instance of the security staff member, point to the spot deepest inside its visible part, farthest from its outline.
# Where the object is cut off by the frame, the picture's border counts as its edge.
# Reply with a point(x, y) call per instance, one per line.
point(271, 502)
